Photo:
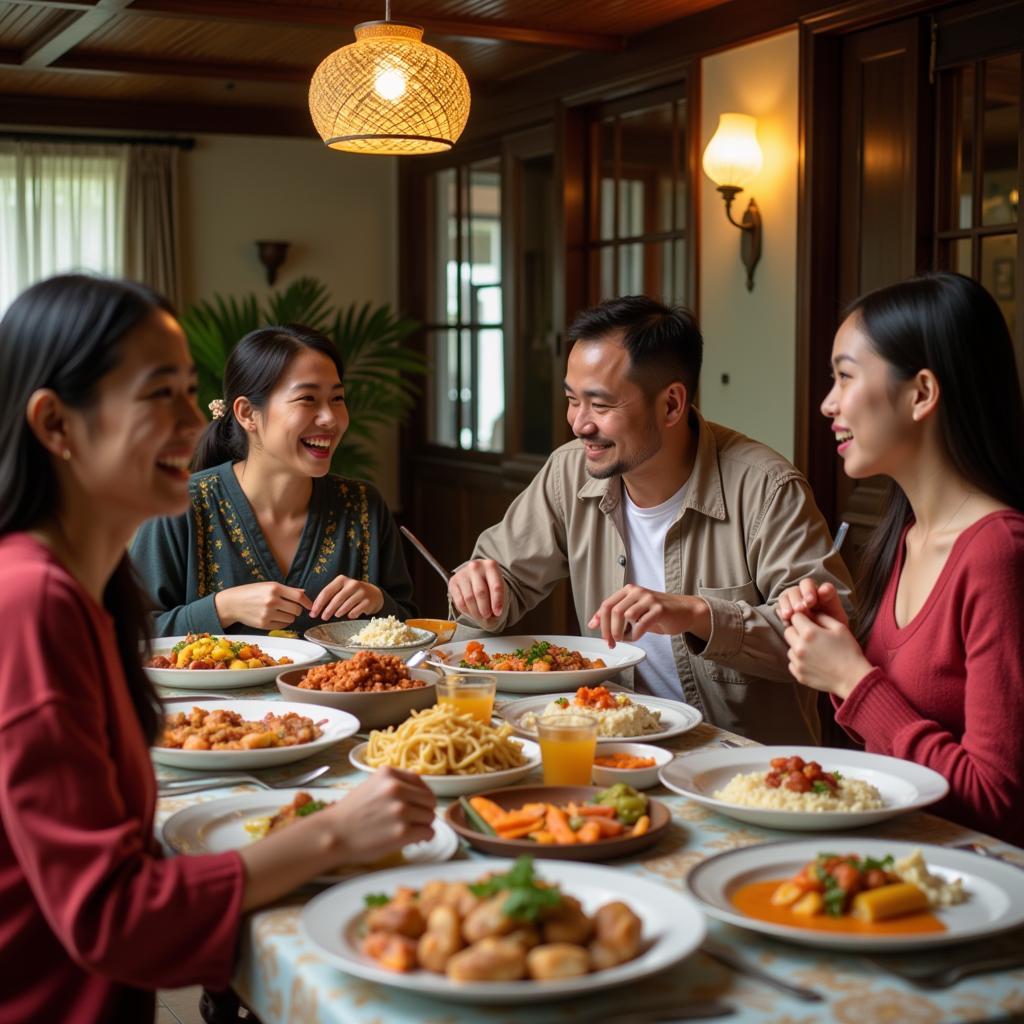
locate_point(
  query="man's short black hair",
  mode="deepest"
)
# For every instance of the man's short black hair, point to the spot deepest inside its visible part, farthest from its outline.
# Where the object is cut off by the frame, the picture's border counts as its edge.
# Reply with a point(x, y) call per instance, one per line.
point(664, 342)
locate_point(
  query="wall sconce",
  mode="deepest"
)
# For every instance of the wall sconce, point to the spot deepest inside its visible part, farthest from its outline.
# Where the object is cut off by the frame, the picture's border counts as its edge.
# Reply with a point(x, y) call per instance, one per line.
point(732, 160)
point(272, 255)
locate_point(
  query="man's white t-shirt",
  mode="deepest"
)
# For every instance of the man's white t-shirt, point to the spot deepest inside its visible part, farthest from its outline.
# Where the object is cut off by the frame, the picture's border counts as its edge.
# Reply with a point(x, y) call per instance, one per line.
point(646, 529)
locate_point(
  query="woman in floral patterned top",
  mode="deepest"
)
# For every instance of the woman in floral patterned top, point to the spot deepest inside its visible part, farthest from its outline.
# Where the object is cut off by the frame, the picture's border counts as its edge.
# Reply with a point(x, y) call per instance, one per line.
point(272, 540)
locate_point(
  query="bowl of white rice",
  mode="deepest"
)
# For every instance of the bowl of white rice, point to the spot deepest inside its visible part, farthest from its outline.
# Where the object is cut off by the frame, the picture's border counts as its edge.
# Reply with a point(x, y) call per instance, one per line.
point(382, 635)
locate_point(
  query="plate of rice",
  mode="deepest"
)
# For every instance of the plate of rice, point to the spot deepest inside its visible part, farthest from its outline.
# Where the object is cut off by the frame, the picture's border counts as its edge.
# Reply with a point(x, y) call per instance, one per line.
point(620, 714)
point(384, 635)
point(803, 789)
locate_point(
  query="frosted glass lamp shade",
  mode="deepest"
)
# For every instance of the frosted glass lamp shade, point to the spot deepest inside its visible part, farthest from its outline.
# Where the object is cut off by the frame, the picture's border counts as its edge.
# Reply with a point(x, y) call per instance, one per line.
point(733, 157)
point(389, 93)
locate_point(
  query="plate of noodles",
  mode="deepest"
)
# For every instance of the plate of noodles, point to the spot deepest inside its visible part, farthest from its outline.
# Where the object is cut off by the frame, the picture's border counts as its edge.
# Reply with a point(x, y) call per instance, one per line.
point(454, 754)
point(538, 664)
point(237, 821)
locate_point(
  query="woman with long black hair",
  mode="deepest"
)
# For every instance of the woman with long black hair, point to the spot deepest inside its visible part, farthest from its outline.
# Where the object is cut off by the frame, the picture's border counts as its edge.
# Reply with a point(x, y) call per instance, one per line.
point(97, 428)
point(272, 540)
point(926, 392)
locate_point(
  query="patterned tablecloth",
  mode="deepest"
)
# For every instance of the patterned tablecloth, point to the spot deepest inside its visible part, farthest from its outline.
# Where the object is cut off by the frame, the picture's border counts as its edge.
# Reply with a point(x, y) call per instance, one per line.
point(283, 979)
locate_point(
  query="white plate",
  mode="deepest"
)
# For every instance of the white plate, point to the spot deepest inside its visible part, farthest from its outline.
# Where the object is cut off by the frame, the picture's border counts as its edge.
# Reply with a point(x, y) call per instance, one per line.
point(622, 657)
point(461, 785)
point(302, 652)
point(904, 786)
point(676, 717)
point(995, 893)
point(336, 726)
point(673, 927)
point(217, 826)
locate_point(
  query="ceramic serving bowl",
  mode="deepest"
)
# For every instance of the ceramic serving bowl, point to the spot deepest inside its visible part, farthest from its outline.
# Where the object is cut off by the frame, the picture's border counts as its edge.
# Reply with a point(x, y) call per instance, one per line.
point(638, 778)
point(374, 710)
point(337, 638)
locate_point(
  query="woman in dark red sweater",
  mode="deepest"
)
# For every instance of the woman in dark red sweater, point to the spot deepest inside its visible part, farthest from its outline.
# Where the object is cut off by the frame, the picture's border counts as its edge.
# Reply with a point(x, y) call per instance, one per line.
point(97, 429)
point(926, 392)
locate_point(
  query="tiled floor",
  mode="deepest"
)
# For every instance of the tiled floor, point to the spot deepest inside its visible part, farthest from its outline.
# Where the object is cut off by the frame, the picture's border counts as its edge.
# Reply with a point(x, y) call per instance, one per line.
point(178, 1006)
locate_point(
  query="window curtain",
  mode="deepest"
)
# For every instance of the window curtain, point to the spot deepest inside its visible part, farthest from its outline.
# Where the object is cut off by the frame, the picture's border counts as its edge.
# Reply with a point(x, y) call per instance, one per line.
point(151, 252)
point(61, 208)
point(108, 209)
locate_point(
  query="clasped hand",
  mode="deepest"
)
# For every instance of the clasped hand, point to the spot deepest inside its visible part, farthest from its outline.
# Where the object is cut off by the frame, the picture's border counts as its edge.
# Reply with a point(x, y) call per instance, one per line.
point(275, 606)
point(823, 653)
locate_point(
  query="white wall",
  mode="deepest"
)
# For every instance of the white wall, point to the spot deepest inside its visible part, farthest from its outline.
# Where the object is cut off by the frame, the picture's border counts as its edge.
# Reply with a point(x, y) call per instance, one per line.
point(751, 336)
point(338, 211)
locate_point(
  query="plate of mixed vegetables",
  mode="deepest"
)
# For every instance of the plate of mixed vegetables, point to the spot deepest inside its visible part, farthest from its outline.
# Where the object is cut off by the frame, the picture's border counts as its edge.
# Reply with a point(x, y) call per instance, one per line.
point(560, 822)
point(201, 661)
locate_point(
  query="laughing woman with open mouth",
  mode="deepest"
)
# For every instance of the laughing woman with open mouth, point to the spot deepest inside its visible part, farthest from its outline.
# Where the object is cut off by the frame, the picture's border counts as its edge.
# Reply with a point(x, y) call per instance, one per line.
point(272, 540)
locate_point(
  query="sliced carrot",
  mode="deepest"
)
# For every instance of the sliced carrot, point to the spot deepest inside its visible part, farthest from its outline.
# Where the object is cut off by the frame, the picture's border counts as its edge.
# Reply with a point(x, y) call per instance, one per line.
point(643, 823)
point(558, 825)
point(589, 833)
point(513, 819)
point(487, 809)
point(595, 811)
point(543, 837)
point(522, 830)
point(609, 826)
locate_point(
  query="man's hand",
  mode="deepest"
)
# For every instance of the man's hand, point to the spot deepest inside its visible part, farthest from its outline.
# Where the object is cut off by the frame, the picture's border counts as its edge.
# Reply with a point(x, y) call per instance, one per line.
point(633, 611)
point(478, 590)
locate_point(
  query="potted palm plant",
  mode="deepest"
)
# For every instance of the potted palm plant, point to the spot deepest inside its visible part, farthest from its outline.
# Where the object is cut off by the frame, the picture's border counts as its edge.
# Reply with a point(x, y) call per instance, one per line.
point(371, 340)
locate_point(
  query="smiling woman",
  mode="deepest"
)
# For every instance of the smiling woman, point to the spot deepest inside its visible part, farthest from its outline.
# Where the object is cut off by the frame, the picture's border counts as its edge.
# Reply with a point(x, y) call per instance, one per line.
point(272, 540)
point(97, 427)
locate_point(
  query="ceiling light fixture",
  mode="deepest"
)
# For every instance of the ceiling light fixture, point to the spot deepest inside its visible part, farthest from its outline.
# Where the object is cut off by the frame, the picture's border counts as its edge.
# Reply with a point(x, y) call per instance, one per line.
point(389, 93)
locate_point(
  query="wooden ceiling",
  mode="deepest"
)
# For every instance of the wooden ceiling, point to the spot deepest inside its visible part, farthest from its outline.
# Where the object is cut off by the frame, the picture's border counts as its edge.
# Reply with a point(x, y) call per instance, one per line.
point(244, 65)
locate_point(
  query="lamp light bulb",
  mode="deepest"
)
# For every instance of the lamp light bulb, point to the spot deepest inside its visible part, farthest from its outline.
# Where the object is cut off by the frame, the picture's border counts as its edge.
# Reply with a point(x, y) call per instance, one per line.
point(389, 84)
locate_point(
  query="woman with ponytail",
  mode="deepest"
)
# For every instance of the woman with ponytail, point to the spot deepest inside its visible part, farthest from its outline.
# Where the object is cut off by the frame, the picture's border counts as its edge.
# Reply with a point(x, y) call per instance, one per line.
point(97, 428)
point(926, 392)
point(272, 540)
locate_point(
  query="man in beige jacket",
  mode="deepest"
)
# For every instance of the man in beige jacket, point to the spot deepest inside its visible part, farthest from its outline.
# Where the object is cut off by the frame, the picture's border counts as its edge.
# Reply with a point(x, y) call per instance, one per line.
point(677, 534)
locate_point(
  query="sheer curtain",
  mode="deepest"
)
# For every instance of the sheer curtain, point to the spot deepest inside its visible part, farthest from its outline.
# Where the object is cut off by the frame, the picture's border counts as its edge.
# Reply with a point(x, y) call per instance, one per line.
point(62, 207)
point(110, 209)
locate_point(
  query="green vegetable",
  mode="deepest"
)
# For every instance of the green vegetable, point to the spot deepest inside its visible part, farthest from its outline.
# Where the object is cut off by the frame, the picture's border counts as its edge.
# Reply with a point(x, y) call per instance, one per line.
point(526, 897)
point(474, 820)
point(821, 787)
point(885, 864)
point(376, 899)
point(835, 898)
point(562, 702)
point(628, 803)
point(576, 822)
point(311, 808)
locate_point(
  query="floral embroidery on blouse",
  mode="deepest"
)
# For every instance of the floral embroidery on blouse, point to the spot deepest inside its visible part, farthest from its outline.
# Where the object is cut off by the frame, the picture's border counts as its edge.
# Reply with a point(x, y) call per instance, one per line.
point(357, 507)
point(206, 499)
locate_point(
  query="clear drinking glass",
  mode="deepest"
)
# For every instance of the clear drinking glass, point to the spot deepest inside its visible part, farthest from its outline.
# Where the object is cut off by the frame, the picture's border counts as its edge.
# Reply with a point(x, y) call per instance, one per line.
point(567, 747)
point(469, 695)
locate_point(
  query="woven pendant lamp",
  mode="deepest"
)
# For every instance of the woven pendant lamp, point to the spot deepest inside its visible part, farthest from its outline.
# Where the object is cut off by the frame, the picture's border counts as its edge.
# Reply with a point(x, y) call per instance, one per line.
point(389, 93)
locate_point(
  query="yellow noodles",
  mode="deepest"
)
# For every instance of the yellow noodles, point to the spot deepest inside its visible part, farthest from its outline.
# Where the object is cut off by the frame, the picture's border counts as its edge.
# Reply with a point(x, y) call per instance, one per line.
point(440, 741)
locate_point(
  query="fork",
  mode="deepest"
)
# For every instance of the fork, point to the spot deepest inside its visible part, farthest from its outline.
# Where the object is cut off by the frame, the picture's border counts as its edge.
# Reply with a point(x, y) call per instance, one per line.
point(984, 851)
point(947, 977)
point(178, 787)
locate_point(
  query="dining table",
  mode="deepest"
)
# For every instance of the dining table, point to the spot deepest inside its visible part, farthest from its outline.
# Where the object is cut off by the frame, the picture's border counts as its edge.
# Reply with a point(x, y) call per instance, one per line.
point(283, 979)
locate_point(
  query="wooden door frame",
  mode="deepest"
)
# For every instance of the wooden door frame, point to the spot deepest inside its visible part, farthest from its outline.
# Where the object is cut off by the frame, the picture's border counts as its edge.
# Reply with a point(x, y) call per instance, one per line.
point(818, 222)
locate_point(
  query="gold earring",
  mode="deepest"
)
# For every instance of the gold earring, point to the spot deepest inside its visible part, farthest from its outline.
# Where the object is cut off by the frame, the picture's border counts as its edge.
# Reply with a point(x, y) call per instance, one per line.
point(66, 455)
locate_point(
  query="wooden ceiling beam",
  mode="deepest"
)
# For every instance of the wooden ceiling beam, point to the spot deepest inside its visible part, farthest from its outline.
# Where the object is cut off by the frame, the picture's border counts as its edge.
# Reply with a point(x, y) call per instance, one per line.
point(115, 64)
point(338, 19)
point(69, 31)
point(154, 117)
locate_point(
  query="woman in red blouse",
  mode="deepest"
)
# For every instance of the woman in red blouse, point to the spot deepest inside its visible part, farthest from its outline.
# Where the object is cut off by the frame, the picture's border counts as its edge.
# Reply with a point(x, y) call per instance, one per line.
point(97, 429)
point(926, 392)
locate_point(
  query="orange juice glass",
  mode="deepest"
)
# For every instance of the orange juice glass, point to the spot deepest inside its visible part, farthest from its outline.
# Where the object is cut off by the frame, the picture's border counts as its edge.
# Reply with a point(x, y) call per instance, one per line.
point(469, 695)
point(567, 747)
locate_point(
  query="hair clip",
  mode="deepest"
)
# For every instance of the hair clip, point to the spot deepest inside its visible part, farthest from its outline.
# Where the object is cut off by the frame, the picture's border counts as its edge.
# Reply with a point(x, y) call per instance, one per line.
point(218, 408)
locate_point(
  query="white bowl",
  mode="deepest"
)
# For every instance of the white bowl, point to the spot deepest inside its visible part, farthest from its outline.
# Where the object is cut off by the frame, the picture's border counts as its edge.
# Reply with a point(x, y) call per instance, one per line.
point(638, 778)
point(336, 637)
